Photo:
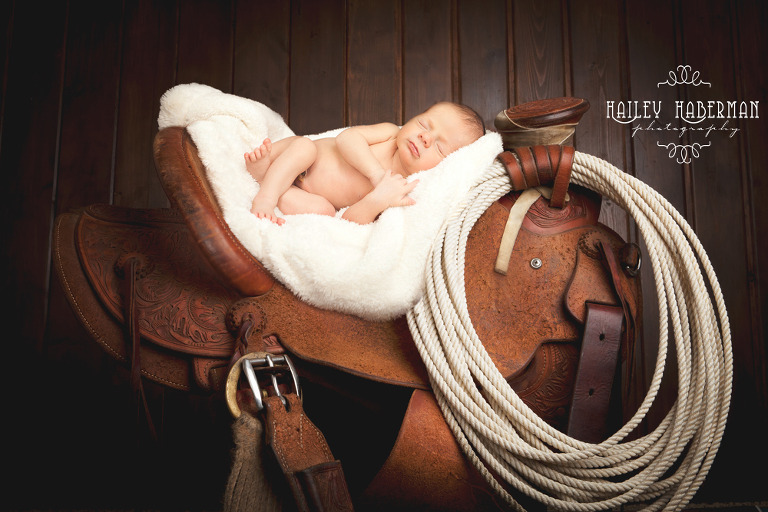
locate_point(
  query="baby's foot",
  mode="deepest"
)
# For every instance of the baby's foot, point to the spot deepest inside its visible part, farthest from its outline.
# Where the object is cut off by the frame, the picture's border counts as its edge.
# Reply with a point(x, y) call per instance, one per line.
point(265, 209)
point(257, 161)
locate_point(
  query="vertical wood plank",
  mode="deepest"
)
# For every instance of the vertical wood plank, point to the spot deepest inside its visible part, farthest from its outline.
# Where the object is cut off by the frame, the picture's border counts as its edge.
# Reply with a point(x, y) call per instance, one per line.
point(148, 70)
point(89, 105)
point(85, 175)
point(651, 41)
point(318, 39)
point(28, 163)
point(205, 43)
point(597, 77)
point(752, 17)
point(538, 50)
point(374, 56)
point(6, 22)
point(427, 48)
point(717, 189)
point(720, 217)
point(262, 53)
point(482, 38)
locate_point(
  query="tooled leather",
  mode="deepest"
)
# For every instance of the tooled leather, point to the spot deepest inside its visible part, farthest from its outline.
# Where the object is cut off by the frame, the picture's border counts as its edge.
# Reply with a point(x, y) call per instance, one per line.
point(157, 364)
point(510, 328)
point(183, 306)
point(591, 273)
point(546, 384)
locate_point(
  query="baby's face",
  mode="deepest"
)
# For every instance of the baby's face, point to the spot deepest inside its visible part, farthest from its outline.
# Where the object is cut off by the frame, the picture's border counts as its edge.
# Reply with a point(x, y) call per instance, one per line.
point(425, 140)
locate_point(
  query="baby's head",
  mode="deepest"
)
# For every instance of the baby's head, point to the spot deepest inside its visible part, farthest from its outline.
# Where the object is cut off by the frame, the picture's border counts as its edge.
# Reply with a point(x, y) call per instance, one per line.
point(425, 140)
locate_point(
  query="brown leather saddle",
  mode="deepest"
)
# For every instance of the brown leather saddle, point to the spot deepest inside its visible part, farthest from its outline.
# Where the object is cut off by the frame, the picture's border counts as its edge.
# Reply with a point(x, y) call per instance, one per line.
point(174, 294)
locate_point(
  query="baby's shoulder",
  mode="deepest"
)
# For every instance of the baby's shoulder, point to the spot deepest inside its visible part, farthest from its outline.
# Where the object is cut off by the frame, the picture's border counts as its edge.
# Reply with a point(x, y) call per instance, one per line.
point(380, 131)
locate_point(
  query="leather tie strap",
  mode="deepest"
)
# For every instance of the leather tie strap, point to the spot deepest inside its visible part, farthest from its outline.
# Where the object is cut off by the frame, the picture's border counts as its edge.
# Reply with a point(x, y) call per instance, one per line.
point(131, 268)
point(596, 371)
point(535, 166)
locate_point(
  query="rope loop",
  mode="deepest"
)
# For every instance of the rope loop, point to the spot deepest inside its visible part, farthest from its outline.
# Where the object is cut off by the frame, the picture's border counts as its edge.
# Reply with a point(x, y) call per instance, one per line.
point(502, 437)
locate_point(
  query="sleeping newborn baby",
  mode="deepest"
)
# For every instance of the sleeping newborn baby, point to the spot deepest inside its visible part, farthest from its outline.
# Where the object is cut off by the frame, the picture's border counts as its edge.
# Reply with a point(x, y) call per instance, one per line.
point(363, 167)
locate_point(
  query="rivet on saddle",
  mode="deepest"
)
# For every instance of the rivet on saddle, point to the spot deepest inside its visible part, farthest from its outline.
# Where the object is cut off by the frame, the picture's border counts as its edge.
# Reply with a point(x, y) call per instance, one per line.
point(196, 303)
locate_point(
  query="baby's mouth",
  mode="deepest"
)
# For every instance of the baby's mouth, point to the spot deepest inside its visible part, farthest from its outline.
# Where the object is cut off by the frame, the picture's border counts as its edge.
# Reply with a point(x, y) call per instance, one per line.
point(414, 149)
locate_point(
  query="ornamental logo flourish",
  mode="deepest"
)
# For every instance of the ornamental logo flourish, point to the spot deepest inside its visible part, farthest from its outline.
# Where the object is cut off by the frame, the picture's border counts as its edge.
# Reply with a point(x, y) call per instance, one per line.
point(696, 118)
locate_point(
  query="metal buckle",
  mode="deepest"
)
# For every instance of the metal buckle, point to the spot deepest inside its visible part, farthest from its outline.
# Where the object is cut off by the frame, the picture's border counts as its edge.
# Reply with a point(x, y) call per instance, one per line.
point(275, 366)
point(633, 271)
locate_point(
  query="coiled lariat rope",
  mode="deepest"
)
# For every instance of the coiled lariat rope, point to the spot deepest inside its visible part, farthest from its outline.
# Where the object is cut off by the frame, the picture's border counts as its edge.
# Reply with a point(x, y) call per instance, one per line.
point(504, 439)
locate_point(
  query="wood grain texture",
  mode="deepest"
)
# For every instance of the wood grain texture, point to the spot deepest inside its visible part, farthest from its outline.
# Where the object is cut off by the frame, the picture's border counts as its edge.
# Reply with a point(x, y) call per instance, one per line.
point(720, 221)
point(28, 159)
point(210, 62)
point(427, 52)
point(262, 53)
point(482, 51)
point(538, 41)
point(148, 69)
point(374, 62)
point(318, 66)
point(652, 46)
point(89, 105)
point(750, 18)
point(598, 76)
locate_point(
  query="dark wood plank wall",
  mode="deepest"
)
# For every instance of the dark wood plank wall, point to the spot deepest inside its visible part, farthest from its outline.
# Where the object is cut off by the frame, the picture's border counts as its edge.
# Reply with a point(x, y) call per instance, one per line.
point(80, 91)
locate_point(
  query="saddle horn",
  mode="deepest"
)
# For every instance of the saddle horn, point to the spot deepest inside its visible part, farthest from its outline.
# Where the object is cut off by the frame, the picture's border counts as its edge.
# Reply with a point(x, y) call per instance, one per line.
point(536, 137)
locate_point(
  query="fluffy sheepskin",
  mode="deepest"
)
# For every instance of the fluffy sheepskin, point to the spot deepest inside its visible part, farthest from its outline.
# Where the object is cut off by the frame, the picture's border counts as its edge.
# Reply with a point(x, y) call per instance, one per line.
point(375, 271)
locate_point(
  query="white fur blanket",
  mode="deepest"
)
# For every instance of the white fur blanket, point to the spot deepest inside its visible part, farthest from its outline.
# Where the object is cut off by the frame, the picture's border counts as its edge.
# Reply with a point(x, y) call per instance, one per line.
point(375, 271)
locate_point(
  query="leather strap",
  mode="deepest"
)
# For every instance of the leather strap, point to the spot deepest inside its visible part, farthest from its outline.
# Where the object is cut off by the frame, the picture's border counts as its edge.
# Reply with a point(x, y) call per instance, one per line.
point(130, 268)
point(596, 371)
point(512, 228)
point(534, 166)
point(314, 476)
point(562, 177)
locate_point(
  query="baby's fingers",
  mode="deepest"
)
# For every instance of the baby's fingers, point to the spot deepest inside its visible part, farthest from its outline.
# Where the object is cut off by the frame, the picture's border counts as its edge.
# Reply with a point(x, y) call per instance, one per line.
point(410, 186)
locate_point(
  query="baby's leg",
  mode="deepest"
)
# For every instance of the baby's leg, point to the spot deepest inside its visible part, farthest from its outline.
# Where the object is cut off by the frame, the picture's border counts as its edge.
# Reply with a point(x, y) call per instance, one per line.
point(288, 158)
point(296, 200)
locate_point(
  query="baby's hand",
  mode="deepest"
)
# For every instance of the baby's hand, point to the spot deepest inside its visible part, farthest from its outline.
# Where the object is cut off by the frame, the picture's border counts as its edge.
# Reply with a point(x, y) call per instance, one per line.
point(393, 190)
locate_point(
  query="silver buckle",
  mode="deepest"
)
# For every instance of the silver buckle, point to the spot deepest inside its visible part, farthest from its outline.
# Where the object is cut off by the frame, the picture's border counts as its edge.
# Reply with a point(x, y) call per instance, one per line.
point(275, 366)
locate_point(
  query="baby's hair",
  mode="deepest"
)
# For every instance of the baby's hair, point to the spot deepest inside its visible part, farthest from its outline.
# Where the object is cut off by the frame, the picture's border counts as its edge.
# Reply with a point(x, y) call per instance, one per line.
point(472, 118)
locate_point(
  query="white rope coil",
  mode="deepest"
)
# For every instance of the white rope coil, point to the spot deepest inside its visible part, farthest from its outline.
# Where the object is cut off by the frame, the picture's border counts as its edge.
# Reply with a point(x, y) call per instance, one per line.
point(500, 434)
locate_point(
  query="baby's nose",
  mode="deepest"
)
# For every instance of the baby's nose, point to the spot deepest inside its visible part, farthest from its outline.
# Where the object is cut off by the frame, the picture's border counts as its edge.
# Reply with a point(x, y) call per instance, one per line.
point(426, 138)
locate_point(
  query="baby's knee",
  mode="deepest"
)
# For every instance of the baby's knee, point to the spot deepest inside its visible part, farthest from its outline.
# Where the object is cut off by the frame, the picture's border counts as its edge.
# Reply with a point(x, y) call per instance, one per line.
point(326, 208)
point(305, 146)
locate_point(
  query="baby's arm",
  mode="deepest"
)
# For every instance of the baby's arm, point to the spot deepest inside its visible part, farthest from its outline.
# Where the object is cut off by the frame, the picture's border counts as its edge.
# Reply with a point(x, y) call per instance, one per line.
point(355, 147)
point(392, 190)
